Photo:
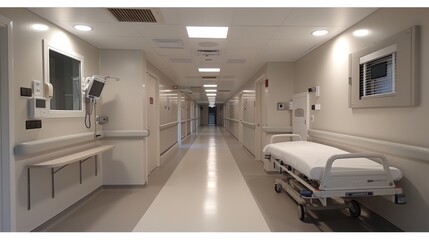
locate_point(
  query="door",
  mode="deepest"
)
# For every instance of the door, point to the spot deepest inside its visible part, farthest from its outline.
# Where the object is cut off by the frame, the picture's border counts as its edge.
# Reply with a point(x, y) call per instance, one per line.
point(152, 118)
point(212, 115)
point(300, 114)
point(259, 116)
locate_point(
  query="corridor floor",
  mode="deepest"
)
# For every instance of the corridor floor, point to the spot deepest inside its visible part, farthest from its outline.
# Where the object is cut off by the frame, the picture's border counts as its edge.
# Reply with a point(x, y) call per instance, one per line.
point(206, 192)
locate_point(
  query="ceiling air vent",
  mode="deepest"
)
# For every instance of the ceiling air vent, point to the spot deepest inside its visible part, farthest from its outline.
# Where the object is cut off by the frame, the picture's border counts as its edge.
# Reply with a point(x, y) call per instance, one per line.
point(208, 53)
point(136, 15)
point(208, 77)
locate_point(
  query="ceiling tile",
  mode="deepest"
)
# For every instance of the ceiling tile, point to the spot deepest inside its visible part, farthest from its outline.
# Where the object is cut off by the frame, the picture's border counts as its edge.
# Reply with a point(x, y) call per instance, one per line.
point(260, 16)
point(328, 17)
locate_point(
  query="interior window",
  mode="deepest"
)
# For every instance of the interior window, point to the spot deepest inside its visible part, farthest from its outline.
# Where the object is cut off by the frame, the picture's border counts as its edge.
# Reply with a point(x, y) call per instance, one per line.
point(65, 75)
point(63, 69)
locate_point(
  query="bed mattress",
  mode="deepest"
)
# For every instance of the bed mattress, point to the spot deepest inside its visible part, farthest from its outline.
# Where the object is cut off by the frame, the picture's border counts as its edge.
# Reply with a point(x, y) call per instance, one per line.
point(310, 159)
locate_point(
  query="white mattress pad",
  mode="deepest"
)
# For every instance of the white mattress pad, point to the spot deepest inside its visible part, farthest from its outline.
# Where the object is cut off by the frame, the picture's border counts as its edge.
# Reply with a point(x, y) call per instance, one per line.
point(310, 159)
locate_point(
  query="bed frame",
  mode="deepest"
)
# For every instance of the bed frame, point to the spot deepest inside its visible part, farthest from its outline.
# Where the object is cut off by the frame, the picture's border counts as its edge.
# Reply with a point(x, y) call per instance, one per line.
point(335, 190)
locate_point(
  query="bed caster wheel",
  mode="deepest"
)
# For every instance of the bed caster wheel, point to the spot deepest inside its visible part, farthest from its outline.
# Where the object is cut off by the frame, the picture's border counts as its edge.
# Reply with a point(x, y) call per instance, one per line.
point(354, 209)
point(301, 212)
point(278, 188)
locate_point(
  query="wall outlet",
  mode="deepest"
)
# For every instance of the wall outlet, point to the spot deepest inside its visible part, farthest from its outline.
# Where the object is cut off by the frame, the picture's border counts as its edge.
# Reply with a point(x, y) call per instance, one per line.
point(282, 106)
point(102, 119)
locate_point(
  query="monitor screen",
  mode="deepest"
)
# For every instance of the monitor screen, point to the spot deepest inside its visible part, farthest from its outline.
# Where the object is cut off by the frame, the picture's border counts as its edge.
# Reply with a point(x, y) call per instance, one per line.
point(95, 89)
point(379, 70)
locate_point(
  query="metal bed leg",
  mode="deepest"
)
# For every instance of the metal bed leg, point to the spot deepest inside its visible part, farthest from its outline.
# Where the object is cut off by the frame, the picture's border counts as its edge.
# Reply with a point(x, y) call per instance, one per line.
point(53, 182)
point(28, 190)
point(80, 171)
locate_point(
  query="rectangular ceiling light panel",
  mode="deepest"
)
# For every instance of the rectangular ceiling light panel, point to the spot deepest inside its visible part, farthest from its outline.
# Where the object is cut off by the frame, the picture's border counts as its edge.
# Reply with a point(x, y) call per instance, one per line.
point(209, 69)
point(210, 85)
point(207, 32)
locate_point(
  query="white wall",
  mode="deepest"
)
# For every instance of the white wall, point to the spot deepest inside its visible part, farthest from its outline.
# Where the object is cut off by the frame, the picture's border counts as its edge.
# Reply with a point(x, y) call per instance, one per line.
point(123, 102)
point(281, 77)
point(280, 88)
point(327, 67)
point(28, 65)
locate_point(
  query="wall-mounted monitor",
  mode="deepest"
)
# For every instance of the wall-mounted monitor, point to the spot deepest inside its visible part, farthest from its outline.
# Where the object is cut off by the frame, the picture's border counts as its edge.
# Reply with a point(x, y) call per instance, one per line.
point(94, 87)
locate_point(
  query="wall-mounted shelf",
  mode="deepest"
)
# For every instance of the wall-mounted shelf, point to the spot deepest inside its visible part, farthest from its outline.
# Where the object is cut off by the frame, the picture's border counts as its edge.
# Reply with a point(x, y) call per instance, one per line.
point(62, 162)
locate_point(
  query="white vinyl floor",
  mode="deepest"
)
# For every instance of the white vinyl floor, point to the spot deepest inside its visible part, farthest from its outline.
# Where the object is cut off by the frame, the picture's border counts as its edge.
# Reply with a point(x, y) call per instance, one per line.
point(206, 193)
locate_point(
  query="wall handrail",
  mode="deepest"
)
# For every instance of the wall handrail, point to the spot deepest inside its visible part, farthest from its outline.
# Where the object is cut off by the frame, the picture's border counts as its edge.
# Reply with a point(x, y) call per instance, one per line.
point(126, 133)
point(49, 144)
point(43, 145)
point(232, 119)
point(275, 129)
point(248, 124)
point(168, 125)
point(390, 148)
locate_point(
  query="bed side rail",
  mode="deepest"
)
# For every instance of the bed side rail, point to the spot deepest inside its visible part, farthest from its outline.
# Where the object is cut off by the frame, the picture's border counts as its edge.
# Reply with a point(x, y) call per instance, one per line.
point(275, 137)
point(357, 179)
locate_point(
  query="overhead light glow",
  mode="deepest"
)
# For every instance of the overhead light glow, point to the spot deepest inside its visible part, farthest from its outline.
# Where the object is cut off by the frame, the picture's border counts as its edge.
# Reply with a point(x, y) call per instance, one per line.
point(211, 90)
point(209, 69)
point(361, 33)
point(83, 28)
point(210, 85)
point(207, 32)
point(211, 94)
point(319, 33)
point(40, 27)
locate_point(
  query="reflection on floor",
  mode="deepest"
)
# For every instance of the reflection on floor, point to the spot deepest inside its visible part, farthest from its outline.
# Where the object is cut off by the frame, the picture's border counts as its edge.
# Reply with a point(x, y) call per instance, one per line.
point(205, 157)
point(205, 193)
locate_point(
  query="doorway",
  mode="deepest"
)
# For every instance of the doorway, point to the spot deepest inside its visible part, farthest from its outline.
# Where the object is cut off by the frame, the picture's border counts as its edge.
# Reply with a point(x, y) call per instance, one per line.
point(152, 120)
point(260, 115)
point(300, 115)
point(212, 116)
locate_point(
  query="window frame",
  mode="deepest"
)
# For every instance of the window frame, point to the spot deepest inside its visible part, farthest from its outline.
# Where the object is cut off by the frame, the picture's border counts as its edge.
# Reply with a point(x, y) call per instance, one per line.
point(47, 46)
point(407, 92)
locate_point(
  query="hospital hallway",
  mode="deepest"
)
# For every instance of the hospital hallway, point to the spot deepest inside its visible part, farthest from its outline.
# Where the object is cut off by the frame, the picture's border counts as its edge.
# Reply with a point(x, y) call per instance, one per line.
point(211, 184)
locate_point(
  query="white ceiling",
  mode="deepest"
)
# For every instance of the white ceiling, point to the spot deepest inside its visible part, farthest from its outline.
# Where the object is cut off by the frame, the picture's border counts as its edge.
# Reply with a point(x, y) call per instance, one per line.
point(256, 36)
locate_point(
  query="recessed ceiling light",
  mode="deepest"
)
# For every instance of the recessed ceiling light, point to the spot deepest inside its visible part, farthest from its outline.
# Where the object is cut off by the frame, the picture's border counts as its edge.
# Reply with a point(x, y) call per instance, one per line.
point(84, 28)
point(211, 90)
point(40, 27)
point(361, 32)
point(210, 85)
point(209, 69)
point(319, 33)
point(207, 32)
point(211, 94)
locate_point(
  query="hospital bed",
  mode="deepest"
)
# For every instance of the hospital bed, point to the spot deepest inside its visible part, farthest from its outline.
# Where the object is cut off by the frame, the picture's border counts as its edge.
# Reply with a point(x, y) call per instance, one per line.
point(321, 177)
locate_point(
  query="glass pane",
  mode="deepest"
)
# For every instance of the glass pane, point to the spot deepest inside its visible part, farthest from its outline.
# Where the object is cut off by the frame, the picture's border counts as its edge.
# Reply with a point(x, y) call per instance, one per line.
point(64, 75)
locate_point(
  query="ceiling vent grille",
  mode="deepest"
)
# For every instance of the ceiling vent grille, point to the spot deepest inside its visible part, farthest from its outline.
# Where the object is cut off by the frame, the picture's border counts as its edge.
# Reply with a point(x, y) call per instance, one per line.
point(133, 15)
point(208, 53)
point(208, 77)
